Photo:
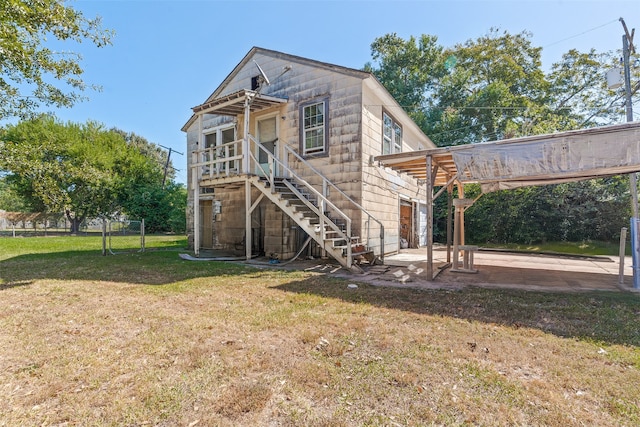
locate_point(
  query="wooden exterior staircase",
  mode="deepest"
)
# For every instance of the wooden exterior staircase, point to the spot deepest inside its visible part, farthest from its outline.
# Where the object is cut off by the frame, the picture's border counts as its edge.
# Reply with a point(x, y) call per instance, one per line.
point(308, 207)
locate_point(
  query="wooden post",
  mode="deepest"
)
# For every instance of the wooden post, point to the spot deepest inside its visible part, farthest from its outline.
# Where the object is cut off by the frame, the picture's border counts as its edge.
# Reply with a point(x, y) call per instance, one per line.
point(429, 200)
point(245, 138)
point(459, 206)
point(246, 146)
point(461, 196)
point(247, 220)
point(456, 235)
point(142, 238)
point(104, 237)
point(449, 219)
point(195, 184)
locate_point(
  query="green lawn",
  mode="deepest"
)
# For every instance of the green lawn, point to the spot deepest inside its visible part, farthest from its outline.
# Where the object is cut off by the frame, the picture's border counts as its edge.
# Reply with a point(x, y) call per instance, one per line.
point(150, 339)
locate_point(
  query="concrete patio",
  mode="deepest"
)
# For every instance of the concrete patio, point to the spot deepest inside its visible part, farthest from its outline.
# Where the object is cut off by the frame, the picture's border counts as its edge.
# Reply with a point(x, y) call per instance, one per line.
point(500, 269)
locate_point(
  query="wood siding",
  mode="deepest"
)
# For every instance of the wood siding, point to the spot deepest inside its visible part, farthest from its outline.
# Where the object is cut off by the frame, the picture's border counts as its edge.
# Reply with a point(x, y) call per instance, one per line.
point(356, 102)
point(382, 187)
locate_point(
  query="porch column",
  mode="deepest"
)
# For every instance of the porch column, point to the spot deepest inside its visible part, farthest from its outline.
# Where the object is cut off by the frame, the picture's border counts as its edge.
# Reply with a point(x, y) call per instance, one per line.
point(245, 137)
point(196, 206)
point(429, 200)
point(247, 219)
point(195, 185)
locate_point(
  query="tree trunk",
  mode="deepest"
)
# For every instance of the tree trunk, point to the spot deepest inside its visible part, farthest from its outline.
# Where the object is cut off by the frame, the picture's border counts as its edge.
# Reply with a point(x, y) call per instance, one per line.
point(74, 223)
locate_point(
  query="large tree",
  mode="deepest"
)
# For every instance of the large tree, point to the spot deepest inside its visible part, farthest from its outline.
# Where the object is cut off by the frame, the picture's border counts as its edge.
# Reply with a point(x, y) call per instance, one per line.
point(494, 87)
point(10, 201)
point(82, 170)
point(409, 69)
point(152, 151)
point(29, 64)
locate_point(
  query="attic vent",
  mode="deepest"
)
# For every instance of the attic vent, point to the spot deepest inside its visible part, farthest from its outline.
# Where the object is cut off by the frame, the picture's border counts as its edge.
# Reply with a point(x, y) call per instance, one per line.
point(255, 82)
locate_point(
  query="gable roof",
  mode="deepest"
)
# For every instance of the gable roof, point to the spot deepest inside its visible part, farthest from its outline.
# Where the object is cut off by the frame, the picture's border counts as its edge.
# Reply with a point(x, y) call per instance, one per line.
point(280, 55)
point(287, 57)
point(352, 72)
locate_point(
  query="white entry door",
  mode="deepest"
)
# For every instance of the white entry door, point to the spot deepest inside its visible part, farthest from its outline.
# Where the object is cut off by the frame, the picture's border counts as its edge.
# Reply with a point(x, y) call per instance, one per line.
point(268, 137)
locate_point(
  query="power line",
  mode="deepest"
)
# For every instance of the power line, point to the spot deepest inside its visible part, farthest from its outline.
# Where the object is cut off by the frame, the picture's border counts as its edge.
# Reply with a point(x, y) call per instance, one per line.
point(451, 107)
point(581, 34)
point(166, 165)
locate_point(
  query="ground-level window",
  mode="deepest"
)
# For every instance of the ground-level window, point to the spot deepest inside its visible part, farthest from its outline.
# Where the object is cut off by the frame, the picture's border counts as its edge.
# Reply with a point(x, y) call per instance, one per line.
point(391, 135)
point(314, 127)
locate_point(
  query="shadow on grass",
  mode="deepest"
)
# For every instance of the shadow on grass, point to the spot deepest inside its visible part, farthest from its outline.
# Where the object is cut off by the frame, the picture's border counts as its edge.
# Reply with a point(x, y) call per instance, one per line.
point(153, 267)
point(596, 316)
point(608, 317)
point(11, 285)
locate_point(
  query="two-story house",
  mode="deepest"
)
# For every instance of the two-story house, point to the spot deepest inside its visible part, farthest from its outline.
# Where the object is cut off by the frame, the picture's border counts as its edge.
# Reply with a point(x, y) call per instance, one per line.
point(282, 154)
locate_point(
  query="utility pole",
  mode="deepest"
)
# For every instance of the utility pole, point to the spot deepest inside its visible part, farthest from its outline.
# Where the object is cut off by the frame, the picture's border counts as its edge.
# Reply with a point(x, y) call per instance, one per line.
point(166, 165)
point(627, 49)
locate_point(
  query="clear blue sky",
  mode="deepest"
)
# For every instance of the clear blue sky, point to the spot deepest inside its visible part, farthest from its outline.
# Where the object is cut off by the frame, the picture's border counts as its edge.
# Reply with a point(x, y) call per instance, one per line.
point(168, 56)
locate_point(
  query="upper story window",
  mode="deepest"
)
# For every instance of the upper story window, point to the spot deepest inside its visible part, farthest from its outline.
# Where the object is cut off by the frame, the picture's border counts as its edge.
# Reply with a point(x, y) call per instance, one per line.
point(220, 142)
point(391, 135)
point(314, 127)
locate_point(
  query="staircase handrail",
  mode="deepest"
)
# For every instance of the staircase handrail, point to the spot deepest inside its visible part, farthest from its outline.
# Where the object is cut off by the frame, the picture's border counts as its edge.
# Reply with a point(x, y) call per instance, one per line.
point(325, 181)
point(302, 181)
point(320, 212)
point(322, 199)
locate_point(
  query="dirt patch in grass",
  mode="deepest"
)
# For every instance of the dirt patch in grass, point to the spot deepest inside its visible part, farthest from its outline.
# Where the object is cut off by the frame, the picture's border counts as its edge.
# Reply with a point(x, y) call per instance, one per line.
point(217, 344)
point(242, 398)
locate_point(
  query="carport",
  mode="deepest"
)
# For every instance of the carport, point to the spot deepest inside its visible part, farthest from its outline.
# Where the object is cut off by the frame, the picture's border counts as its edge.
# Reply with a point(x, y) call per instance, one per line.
point(513, 163)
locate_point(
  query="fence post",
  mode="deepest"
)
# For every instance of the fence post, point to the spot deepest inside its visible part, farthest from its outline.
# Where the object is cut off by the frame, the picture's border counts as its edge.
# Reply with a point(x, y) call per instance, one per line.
point(142, 235)
point(104, 237)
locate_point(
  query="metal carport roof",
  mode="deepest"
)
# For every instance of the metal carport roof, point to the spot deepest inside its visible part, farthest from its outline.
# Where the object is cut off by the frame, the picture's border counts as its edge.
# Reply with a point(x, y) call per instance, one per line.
point(512, 163)
point(534, 160)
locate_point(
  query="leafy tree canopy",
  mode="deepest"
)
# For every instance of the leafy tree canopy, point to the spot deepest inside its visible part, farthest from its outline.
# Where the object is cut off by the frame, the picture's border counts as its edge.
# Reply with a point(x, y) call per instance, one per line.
point(82, 170)
point(152, 151)
point(492, 88)
point(409, 69)
point(28, 65)
point(9, 200)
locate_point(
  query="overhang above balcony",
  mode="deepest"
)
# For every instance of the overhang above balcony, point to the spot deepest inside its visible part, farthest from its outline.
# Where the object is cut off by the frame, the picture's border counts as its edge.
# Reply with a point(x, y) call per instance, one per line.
point(234, 103)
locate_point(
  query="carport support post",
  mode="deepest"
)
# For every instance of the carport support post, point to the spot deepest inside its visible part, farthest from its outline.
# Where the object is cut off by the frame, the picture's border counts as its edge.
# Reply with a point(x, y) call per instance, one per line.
point(461, 225)
point(429, 218)
point(449, 227)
